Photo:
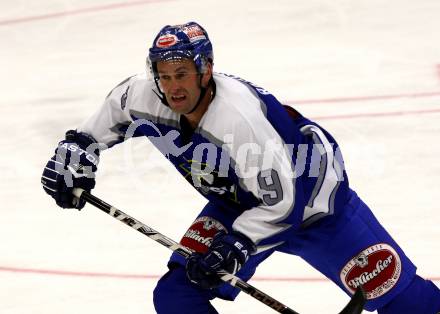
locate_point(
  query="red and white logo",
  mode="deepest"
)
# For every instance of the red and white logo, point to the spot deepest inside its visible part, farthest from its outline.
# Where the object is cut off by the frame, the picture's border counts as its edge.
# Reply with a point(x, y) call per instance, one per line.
point(165, 41)
point(194, 33)
point(376, 268)
point(199, 236)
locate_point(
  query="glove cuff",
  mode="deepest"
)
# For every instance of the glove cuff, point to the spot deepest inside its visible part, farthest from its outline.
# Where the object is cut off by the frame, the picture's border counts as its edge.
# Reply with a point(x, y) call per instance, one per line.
point(84, 140)
point(241, 244)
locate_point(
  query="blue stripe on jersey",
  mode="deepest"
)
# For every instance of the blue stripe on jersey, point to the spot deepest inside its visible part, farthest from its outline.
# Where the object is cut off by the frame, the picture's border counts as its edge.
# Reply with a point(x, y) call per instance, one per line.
point(290, 130)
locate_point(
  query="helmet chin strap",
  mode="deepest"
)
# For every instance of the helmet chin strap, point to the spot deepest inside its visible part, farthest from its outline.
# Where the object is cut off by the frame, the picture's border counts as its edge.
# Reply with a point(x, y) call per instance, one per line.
point(160, 95)
point(203, 91)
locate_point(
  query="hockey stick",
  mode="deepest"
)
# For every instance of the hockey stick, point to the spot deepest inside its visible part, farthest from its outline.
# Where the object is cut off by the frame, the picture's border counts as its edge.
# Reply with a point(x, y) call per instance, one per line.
point(355, 305)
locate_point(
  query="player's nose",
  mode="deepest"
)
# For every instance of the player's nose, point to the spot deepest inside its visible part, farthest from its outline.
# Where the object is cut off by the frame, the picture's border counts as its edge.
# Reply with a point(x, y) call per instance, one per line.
point(175, 88)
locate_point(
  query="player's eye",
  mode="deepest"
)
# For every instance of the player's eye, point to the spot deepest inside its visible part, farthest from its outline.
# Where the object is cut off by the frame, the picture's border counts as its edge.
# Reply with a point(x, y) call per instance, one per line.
point(181, 75)
point(164, 77)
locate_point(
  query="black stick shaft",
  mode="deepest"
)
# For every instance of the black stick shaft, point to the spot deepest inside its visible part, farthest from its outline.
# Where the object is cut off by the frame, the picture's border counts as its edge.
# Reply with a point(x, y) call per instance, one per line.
point(180, 249)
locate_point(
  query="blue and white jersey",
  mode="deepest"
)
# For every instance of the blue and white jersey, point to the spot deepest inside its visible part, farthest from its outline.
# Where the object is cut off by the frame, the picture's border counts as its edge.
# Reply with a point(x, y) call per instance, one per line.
point(278, 170)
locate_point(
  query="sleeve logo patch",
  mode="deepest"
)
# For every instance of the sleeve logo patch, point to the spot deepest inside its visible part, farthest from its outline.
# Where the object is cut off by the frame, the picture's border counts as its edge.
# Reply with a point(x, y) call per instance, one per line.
point(376, 268)
point(199, 236)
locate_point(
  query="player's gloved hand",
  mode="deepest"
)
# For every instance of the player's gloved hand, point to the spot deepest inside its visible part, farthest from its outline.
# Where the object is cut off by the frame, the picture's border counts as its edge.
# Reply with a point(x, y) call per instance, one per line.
point(227, 251)
point(73, 166)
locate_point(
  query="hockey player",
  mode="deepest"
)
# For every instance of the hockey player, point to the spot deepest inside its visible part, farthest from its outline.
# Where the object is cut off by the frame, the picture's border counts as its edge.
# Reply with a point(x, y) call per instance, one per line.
point(274, 181)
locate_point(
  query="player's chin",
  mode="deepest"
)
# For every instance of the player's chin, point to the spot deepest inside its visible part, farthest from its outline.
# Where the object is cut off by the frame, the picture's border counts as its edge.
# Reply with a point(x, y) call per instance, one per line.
point(180, 107)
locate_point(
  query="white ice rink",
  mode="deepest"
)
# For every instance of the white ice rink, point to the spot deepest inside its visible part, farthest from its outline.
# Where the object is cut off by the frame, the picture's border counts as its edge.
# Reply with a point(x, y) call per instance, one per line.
point(367, 70)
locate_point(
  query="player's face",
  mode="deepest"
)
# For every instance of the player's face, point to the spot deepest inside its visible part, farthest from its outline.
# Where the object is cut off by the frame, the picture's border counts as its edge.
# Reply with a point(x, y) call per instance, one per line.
point(180, 82)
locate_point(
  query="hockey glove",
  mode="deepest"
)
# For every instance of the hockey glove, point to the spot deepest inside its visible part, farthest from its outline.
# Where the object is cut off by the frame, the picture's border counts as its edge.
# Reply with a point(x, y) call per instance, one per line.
point(73, 166)
point(227, 251)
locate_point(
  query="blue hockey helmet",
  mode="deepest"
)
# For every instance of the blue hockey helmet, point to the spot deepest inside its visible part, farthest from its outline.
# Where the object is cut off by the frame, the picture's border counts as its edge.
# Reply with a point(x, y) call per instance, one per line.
point(186, 41)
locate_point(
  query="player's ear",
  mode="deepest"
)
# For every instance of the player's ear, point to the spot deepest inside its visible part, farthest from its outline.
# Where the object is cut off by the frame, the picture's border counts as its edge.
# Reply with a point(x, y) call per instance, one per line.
point(207, 75)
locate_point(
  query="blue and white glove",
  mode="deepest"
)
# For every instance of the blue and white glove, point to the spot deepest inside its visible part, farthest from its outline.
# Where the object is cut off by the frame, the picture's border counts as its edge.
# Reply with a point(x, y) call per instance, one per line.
point(73, 166)
point(227, 251)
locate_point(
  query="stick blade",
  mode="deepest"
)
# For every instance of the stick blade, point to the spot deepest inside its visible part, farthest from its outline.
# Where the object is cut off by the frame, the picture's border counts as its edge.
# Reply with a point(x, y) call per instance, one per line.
point(356, 304)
